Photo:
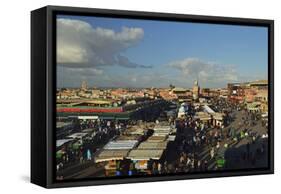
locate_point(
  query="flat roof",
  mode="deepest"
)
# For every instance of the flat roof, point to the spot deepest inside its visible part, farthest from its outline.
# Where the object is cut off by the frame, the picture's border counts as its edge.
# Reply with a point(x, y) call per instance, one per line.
point(208, 109)
point(77, 135)
point(156, 138)
point(218, 116)
point(120, 144)
point(60, 142)
point(259, 82)
point(88, 117)
point(202, 116)
point(153, 145)
point(88, 130)
point(108, 155)
point(128, 137)
point(162, 128)
point(138, 154)
point(180, 90)
point(171, 138)
point(135, 131)
point(161, 133)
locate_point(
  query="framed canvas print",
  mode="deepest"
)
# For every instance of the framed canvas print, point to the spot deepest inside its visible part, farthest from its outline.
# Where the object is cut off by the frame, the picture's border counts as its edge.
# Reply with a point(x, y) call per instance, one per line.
point(126, 96)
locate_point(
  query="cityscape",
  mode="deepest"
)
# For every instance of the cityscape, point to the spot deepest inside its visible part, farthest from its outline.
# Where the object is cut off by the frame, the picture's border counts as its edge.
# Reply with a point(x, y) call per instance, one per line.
point(103, 132)
point(152, 98)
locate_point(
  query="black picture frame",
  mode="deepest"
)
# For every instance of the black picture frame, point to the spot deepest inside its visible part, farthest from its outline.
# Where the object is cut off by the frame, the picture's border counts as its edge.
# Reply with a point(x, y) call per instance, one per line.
point(43, 87)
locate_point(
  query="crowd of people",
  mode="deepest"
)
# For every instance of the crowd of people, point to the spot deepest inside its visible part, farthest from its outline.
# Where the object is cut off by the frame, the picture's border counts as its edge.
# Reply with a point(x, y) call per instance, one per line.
point(82, 150)
point(203, 147)
point(199, 146)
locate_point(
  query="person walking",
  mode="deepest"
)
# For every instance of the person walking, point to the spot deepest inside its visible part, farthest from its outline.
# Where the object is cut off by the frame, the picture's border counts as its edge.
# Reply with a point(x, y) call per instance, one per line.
point(159, 168)
point(212, 152)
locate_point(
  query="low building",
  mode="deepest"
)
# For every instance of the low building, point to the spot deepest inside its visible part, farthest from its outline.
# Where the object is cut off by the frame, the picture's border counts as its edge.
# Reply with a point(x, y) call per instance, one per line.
point(254, 107)
point(183, 95)
point(209, 116)
point(168, 95)
point(250, 94)
point(236, 92)
point(259, 84)
point(218, 119)
point(204, 117)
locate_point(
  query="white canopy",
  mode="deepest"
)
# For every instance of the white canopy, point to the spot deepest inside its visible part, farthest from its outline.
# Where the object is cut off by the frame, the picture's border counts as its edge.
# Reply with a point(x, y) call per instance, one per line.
point(153, 145)
point(108, 155)
point(138, 154)
point(60, 142)
point(77, 135)
point(120, 144)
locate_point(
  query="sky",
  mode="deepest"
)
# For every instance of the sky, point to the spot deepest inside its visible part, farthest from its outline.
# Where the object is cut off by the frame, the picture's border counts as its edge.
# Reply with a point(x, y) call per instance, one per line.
point(117, 52)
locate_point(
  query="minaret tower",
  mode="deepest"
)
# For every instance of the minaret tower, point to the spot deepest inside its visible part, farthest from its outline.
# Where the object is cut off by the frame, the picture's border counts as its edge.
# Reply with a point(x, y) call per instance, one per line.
point(195, 90)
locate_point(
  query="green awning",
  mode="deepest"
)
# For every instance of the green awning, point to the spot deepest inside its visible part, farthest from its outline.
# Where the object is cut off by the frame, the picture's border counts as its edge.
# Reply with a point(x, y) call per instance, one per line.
point(109, 118)
point(221, 163)
point(59, 154)
point(75, 146)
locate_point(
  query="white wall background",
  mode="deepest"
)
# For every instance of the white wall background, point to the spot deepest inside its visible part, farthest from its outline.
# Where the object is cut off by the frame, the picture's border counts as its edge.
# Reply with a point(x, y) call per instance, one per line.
point(15, 94)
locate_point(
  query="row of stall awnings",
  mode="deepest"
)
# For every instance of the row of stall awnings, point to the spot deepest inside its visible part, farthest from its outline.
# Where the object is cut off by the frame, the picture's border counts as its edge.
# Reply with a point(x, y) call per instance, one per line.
point(152, 148)
point(116, 150)
point(121, 144)
point(135, 154)
point(163, 130)
point(202, 116)
point(153, 145)
point(139, 154)
point(145, 151)
point(109, 155)
point(61, 142)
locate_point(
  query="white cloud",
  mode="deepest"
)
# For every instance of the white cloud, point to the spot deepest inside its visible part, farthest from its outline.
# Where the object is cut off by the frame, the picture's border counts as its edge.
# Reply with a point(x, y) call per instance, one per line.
point(206, 72)
point(79, 45)
point(86, 72)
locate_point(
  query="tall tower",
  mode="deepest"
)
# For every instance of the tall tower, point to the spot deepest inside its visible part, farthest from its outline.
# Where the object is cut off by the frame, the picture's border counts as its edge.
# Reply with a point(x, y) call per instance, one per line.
point(84, 85)
point(195, 90)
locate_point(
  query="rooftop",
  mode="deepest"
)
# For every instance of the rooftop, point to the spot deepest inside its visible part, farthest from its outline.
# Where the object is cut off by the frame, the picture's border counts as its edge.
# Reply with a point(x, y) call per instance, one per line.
point(60, 142)
point(108, 155)
point(138, 154)
point(120, 144)
point(153, 145)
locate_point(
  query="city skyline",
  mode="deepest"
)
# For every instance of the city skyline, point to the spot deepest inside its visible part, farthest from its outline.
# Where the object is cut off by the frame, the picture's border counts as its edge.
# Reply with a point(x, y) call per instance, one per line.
point(109, 52)
point(164, 87)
